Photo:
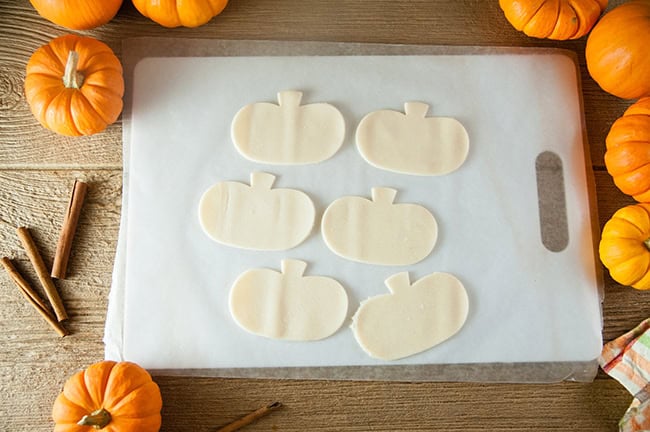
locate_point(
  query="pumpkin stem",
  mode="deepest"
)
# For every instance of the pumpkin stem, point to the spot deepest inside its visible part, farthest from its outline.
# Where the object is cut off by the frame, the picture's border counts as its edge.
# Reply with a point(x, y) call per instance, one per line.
point(416, 109)
point(647, 243)
point(383, 195)
point(398, 281)
point(293, 267)
point(289, 98)
point(71, 76)
point(97, 419)
point(262, 180)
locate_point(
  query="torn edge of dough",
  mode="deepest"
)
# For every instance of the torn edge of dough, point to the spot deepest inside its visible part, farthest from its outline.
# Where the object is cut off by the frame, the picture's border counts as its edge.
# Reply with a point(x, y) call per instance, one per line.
point(379, 340)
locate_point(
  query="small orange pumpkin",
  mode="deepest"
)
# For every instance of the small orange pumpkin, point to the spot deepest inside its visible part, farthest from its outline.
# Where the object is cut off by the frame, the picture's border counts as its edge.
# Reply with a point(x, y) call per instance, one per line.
point(77, 14)
point(176, 13)
point(120, 397)
point(625, 246)
point(617, 50)
point(628, 151)
point(553, 19)
point(74, 85)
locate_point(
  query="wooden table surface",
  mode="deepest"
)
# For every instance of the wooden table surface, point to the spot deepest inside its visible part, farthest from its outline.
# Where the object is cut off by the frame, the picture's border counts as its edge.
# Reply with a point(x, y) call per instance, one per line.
point(37, 169)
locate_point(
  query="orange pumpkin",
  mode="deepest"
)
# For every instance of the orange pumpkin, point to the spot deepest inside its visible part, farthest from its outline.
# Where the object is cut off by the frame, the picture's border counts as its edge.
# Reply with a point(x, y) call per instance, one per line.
point(553, 19)
point(628, 151)
point(625, 246)
point(176, 13)
point(617, 50)
point(74, 85)
point(77, 14)
point(120, 397)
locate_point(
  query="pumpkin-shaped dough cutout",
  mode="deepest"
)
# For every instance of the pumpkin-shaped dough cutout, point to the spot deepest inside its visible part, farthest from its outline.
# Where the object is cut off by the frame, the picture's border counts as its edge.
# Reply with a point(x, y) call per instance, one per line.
point(256, 217)
point(288, 133)
point(288, 305)
point(412, 318)
point(412, 143)
point(378, 231)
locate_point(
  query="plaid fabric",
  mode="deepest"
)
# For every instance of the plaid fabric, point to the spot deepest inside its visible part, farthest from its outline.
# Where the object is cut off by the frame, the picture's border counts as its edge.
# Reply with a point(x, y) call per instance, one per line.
point(636, 418)
point(627, 359)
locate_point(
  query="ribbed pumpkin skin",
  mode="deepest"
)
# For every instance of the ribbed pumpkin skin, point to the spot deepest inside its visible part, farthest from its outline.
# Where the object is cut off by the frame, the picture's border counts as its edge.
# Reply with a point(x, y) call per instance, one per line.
point(123, 389)
point(177, 13)
point(628, 151)
point(553, 19)
point(70, 111)
point(77, 14)
point(623, 249)
point(617, 50)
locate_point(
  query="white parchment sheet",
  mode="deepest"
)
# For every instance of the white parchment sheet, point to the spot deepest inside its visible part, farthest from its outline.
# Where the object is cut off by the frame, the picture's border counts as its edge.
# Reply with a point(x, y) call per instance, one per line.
point(169, 300)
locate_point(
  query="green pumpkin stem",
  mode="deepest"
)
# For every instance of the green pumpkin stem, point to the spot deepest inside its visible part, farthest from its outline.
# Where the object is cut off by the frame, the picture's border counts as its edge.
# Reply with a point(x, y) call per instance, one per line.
point(97, 419)
point(71, 76)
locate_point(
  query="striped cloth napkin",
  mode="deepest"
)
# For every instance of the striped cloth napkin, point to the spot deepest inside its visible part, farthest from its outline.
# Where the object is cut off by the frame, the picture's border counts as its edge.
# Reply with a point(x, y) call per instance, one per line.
point(627, 359)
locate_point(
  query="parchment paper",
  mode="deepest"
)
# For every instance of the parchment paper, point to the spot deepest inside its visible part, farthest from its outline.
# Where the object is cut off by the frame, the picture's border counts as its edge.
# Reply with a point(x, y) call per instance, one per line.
point(534, 314)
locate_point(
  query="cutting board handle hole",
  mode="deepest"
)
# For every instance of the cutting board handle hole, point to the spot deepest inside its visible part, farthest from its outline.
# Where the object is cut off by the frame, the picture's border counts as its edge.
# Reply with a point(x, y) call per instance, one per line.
point(551, 197)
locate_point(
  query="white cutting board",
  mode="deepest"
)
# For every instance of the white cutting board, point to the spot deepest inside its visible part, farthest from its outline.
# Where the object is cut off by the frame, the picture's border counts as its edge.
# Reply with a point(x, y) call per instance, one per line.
point(169, 300)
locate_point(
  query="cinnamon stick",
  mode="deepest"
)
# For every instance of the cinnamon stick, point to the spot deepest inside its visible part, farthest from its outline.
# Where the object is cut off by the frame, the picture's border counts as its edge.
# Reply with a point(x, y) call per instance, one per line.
point(250, 418)
point(23, 284)
point(64, 246)
point(42, 273)
point(31, 296)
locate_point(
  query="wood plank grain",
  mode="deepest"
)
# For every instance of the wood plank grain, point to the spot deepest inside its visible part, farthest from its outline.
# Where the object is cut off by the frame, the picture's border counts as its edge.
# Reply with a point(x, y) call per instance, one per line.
point(26, 144)
point(377, 406)
point(34, 363)
point(37, 169)
point(38, 200)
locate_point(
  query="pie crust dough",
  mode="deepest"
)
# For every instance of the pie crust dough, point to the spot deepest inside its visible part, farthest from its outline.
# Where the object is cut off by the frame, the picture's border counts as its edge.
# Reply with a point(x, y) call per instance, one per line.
point(288, 305)
point(288, 133)
point(412, 318)
point(378, 231)
point(411, 143)
point(256, 216)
